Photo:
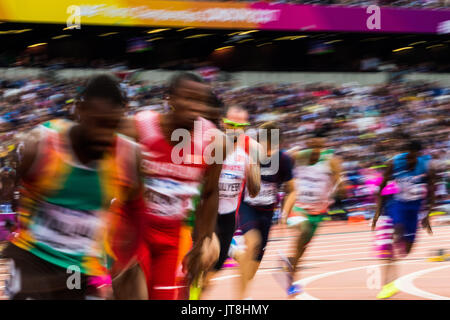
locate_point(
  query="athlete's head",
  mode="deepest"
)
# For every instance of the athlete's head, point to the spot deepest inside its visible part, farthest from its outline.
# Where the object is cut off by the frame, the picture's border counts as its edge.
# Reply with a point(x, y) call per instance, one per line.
point(414, 147)
point(269, 137)
point(235, 121)
point(215, 110)
point(317, 141)
point(99, 110)
point(188, 96)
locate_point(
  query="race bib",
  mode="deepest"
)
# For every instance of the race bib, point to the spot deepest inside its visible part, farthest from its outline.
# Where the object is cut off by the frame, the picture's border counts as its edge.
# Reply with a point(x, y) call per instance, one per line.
point(66, 230)
point(169, 198)
point(310, 195)
point(313, 184)
point(230, 185)
point(267, 195)
point(311, 190)
point(411, 191)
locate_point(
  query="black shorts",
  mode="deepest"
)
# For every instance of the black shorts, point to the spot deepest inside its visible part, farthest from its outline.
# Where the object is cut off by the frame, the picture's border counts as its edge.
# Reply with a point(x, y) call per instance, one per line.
point(225, 227)
point(255, 218)
point(36, 279)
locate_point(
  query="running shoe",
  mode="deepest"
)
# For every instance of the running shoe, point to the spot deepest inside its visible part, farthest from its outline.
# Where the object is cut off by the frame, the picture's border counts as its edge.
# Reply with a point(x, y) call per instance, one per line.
point(233, 248)
point(230, 263)
point(195, 288)
point(388, 291)
point(284, 277)
point(294, 289)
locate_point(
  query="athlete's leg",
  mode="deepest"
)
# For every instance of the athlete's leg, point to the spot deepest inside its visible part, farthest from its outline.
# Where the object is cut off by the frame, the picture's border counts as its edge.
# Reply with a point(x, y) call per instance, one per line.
point(145, 264)
point(226, 225)
point(389, 270)
point(410, 224)
point(248, 263)
point(303, 239)
point(158, 256)
point(131, 285)
point(307, 230)
point(164, 267)
point(399, 215)
point(225, 228)
point(128, 278)
point(185, 245)
point(36, 279)
point(264, 225)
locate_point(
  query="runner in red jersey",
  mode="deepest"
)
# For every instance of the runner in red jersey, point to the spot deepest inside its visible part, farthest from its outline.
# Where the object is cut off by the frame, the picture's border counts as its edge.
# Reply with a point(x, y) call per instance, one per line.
point(176, 170)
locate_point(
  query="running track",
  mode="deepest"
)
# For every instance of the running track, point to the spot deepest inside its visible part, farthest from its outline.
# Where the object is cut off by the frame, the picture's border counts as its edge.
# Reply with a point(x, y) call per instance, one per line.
point(339, 264)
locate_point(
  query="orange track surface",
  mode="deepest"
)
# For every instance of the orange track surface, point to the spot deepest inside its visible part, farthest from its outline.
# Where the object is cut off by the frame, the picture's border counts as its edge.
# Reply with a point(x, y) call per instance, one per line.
point(340, 265)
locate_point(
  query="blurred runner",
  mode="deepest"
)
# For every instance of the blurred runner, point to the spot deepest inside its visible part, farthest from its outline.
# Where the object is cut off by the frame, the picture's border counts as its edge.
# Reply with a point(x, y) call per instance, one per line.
point(69, 174)
point(414, 179)
point(238, 170)
point(175, 178)
point(255, 214)
point(317, 175)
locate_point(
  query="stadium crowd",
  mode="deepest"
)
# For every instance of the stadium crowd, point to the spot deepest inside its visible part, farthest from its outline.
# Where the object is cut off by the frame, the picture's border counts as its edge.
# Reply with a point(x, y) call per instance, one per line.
point(364, 124)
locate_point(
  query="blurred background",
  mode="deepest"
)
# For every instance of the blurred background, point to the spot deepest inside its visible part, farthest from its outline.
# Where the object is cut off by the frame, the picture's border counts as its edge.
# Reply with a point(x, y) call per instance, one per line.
point(305, 64)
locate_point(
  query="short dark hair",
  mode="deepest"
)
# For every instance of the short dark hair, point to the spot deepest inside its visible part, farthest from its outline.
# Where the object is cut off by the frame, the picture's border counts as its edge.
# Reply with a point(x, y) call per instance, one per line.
point(269, 126)
point(104, 86)
point(215, 101)
point(320, 133)
point(414, 146)
point(175, 81)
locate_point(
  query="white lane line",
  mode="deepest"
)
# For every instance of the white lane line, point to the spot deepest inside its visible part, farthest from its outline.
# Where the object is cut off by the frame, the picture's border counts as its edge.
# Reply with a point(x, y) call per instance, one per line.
point(326, 242)
point(238, 275)
point(366, 230)
point(369, 252)
point(307, 265)
point(365, 244)
point(308, 280)
point(405, 284)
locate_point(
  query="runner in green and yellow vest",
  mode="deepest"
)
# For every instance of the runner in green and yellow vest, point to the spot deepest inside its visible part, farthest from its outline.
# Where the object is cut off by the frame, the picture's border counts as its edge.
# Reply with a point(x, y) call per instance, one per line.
point(70, 173)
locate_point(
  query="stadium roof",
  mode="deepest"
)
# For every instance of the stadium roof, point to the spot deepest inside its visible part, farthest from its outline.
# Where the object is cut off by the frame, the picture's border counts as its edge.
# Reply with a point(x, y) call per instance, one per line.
point(230, 49)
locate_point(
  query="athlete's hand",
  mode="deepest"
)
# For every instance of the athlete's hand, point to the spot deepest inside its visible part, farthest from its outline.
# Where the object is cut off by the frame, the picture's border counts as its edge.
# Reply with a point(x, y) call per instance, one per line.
point(426, 224)
point(374, 222)
point(192, 262)
point(283, 219)
point(210, 251)
point(201, 257)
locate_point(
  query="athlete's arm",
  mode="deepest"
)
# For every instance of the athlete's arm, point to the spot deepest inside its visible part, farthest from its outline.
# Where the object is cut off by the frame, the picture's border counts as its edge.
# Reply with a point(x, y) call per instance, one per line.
point(128, 128)
point(380, 200)
point(26, 156)
point(123, 229)
point(287, 167)
point(431, 192)
point(292, 152)
point(28, 152)
point(336, 169)
point(204, 252)
point(252, 171)
point(207, 210)
point(122, 232)
point(300, 156)
point(291, 196)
